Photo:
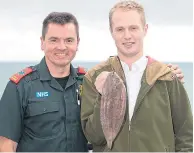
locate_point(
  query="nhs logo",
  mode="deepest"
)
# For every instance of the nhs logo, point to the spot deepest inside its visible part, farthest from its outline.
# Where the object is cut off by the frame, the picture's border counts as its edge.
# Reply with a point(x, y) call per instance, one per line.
point(42, 94)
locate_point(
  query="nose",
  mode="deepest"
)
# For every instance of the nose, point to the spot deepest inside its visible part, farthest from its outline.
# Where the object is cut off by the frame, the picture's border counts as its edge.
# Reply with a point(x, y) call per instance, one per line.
point(127, 34)
point(61, 45)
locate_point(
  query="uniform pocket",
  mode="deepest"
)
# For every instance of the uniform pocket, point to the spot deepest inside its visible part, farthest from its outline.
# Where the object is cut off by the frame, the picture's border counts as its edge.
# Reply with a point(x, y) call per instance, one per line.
point(42, 108)
point(43, 119)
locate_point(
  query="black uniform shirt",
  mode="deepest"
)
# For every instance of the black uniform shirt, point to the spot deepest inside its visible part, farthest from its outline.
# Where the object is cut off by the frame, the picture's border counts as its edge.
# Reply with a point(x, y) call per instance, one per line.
point(40, 115)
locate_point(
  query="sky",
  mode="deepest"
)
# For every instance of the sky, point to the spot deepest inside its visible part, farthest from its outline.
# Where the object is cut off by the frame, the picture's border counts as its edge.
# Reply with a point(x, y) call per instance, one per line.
point(170, 35)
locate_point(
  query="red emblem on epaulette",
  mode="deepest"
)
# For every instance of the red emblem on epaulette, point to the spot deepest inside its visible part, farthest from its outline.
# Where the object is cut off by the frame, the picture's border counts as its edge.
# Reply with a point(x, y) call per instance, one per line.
point(18, 76)
point(81, 70)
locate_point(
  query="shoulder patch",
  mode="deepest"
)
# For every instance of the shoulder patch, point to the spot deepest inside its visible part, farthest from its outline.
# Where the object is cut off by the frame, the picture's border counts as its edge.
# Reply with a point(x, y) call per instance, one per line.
point(81, 70)
point(18, 76)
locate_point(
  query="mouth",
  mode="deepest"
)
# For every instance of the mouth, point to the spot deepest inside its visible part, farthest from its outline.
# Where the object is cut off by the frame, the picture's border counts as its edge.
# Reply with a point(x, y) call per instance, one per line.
point(128, 44)
point(61, 55)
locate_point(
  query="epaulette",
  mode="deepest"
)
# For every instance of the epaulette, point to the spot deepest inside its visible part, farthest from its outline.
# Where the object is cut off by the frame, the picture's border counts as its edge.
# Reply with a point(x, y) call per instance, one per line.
point(18, 76)
point(81, 71)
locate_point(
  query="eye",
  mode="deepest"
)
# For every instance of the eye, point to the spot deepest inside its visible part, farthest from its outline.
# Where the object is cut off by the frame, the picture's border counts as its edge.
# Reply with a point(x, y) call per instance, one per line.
point(69, 40)
point(133, 28)
point(119, 29)
point(53, 40)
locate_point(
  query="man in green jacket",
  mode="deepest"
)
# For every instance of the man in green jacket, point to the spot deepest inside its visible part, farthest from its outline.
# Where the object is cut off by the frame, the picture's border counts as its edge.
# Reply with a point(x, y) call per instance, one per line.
point(131, 102)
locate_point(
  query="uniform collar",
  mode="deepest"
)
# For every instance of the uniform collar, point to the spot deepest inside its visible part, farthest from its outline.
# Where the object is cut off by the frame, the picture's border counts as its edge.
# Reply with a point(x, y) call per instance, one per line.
point(45, 74)
point(43, 70)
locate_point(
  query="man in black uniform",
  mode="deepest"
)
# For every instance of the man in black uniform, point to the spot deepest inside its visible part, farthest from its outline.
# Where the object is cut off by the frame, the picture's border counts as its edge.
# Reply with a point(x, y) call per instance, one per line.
point(40, 107)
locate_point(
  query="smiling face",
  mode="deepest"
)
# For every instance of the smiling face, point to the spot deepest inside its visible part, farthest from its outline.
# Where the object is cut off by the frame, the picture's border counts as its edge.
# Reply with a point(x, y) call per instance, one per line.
point(60, 44)
point(128, 32)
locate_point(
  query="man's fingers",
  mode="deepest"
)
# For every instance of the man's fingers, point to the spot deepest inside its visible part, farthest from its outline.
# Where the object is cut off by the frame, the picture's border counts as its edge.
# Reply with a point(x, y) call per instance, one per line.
point(169, 65)
point(180, 76)
point(175, 67)
point(177, 71)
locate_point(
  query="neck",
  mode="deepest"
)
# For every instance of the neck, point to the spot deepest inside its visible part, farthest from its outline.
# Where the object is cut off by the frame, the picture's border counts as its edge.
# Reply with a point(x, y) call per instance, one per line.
point(129, 60)
point(58, 71)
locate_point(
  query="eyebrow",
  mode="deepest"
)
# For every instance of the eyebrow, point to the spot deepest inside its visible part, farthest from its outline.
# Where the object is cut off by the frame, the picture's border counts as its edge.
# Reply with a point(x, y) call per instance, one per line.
point(58, 38)
point(119, 26)
point(53, 38)
point(70, 38)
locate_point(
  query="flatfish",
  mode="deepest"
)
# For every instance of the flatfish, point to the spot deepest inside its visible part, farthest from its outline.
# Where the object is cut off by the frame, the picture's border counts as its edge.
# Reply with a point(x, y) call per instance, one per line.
point(112, 105)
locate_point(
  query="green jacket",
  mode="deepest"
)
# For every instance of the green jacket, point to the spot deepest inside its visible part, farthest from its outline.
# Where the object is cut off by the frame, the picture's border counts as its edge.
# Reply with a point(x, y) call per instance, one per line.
point(162, 119)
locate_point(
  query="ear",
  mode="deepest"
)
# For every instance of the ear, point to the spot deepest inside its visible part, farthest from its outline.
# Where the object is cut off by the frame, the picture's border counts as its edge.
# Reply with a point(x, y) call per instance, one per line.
point(42, 43)
point(145, 29)
point(78, 40)
point(111, 32)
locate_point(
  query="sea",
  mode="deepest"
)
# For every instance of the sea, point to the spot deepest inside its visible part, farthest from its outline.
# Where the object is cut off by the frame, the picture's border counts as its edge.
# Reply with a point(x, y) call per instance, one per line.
point(7, 69)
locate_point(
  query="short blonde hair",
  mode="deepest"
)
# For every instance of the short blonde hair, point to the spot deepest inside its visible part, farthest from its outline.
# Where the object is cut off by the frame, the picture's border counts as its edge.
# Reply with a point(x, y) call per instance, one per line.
point(127, 5)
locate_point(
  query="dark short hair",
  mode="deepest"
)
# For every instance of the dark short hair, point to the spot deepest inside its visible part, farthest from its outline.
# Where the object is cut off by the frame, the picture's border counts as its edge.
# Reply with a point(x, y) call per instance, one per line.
point(59, 18)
